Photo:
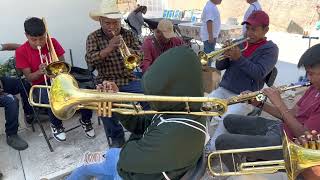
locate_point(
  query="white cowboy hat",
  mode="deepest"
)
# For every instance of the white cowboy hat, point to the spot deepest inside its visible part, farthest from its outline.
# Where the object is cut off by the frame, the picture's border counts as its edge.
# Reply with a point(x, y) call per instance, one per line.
point(108, 8)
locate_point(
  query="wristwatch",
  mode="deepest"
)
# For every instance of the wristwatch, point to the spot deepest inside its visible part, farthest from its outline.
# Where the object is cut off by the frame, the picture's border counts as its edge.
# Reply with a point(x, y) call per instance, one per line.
point(1, 47)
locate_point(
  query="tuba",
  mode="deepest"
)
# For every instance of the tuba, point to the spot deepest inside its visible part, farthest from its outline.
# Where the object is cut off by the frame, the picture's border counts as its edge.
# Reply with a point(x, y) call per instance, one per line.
point(131, 61)
point(218, 55)
point(296, 159)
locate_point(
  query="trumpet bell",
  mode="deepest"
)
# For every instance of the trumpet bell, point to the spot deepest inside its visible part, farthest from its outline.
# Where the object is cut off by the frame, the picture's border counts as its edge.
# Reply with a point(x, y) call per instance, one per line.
point(57, 67)
point(131, 61)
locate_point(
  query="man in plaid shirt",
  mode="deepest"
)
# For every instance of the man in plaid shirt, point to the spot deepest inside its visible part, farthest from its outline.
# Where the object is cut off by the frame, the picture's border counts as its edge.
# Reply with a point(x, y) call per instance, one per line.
point(102, 54)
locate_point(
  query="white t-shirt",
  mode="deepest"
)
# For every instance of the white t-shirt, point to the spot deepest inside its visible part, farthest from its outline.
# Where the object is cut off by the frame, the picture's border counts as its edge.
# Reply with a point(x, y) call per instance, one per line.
point(253, 7)
point(210, 12)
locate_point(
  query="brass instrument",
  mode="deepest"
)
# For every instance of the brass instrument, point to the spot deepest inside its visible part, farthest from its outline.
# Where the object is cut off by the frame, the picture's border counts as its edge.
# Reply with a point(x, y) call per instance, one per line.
point(218, 55)
point(131, 61)
point(66, 98)
point(54, 66)
point(296, 159)
point(257, 95)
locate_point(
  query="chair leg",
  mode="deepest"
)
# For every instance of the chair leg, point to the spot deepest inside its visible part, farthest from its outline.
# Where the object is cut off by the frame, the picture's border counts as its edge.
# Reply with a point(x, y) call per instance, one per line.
point(42, 130)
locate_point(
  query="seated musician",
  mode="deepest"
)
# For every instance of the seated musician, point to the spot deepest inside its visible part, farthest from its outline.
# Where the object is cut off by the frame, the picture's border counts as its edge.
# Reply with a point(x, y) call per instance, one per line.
point(163, 39)
point(103, 54)
point(11, 105)
point(29, 61)
point(313, 172)
point(163, 146)
point(247, 70)
point(251, 132)
point(11, 84)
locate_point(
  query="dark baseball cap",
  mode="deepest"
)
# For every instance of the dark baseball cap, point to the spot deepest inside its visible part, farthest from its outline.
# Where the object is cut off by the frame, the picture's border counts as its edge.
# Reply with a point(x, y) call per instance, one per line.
point(257, 18)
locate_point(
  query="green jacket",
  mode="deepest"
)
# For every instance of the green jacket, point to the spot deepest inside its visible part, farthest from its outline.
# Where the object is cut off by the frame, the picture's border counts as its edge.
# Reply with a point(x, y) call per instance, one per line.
point(159, 144)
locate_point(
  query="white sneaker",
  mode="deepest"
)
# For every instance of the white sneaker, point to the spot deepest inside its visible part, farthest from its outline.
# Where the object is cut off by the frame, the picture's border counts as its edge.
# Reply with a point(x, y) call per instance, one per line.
point(58, 133)
point(88, 129)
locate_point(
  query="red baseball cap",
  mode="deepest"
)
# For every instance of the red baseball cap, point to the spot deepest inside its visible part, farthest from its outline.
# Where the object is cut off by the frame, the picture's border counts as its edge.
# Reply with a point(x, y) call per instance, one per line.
point(257, 18)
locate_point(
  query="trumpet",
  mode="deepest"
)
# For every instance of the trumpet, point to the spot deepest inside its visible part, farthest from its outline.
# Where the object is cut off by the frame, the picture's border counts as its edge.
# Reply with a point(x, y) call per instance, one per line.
point(257, 95)
point(131, 61)
point(54, 66)
point(296, 159)
point(218, 55)
point(66, 98)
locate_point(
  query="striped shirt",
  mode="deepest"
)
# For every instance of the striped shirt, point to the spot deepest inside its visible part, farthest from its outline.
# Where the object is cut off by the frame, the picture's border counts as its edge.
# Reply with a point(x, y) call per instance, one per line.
point(112, 67)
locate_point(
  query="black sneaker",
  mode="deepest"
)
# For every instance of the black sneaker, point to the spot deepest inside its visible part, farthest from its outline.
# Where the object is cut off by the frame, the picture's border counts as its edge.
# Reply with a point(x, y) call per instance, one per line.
point(58, 133)
point(16, 142)
point(88, 129)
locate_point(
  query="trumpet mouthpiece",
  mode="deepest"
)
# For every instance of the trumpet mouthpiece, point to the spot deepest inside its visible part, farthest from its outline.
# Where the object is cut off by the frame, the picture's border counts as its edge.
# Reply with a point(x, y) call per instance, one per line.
point(39, 47)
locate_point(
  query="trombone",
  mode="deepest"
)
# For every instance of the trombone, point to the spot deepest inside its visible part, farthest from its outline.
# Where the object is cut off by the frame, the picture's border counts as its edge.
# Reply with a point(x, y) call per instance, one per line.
point(54, 66)
point(296, 159)
point(66, 98)
point(131, 61)
point(219, 54)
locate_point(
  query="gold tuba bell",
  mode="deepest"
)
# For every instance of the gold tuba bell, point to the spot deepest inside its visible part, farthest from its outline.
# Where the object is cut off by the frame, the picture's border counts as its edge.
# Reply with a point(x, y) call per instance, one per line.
point(218, 55)
point(296, 159)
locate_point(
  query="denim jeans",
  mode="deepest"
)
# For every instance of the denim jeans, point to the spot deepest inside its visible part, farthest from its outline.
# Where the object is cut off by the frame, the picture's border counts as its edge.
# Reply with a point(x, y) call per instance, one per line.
point(250, 132)
point(107, 170)
point(45, 99)
point(11, 110)
point(111, 125)
point(14, 86)
point(209, 47)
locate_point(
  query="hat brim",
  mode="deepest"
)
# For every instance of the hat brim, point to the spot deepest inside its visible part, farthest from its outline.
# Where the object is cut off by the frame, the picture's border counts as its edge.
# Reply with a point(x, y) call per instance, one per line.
point(169, 35)
point(96, 15)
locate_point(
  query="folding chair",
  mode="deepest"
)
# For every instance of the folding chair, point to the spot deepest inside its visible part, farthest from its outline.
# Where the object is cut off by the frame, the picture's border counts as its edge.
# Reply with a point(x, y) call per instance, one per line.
point(36, 115)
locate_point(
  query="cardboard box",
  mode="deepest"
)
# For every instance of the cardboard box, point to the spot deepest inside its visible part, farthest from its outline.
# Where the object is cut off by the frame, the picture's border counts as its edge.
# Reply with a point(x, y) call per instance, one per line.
point(211, 78)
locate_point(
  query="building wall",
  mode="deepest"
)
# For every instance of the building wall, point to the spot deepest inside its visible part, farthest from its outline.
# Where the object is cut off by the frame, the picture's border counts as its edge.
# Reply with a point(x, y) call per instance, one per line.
point(68, 21)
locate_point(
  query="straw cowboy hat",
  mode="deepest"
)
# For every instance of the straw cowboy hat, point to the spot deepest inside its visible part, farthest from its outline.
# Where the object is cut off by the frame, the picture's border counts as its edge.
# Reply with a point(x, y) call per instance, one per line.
point(108, 8)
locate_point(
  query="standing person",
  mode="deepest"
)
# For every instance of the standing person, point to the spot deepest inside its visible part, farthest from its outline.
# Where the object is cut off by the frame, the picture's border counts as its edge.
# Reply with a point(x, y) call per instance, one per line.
point(103, 54)
point(29, 61)
point(11, 110)
point(163, 39)
point(247, 70)
point(135, 19)
point(211, 24)
point(254, 5)
point(162, 146)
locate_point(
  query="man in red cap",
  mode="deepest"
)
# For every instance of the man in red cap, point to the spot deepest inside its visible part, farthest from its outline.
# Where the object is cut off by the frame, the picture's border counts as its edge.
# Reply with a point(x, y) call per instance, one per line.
point(247, 70)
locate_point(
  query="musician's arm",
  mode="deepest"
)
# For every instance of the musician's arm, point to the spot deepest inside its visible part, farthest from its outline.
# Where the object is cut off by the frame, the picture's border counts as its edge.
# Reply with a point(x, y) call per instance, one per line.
point(31, 76)
point(9, 46)
point(259, 69)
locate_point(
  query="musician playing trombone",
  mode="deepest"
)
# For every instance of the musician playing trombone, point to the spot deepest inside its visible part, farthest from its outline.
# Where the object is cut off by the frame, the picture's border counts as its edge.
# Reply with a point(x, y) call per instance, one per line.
point(32, 58)
point(103, 54)
point(251, 132)
point(245, 70)
point(162, 146)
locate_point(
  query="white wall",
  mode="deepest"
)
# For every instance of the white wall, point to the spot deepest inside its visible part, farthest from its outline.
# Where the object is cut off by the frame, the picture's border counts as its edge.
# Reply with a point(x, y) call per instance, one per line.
point(68, 21)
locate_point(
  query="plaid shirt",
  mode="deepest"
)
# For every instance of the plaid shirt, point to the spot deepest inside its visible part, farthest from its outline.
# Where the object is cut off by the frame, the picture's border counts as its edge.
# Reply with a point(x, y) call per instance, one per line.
point(111, 68)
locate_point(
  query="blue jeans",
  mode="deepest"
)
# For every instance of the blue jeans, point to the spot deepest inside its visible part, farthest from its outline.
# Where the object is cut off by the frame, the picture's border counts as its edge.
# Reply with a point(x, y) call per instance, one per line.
point(11, 110)
point(107, 170)
point(111, 125)
point(209, 47)
point(14, 86)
